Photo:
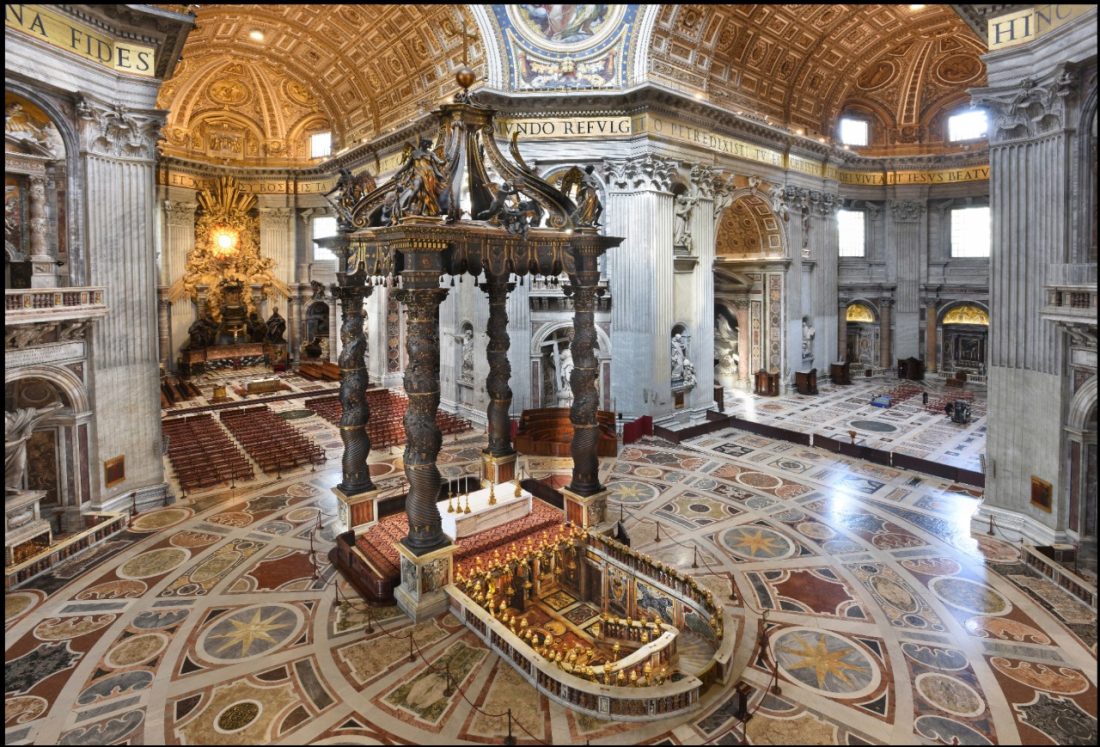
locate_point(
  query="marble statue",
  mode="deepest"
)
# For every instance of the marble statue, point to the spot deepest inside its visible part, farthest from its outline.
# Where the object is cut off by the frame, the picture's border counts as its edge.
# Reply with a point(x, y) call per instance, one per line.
point(808, 334)
point(681, 232)
point(679, 353)
point(18, 427)
point(467, 354)
point(689, 373)
point(565, 368)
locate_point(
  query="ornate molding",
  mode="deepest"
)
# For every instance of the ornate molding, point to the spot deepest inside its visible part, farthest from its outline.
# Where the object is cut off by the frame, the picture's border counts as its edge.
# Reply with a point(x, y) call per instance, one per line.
point(118, 132)
point(275, 213)
point(823, 204)
point(180, 214)
point(1030, 109)
point(25, 336)
point(907, 211)
point(640, 172)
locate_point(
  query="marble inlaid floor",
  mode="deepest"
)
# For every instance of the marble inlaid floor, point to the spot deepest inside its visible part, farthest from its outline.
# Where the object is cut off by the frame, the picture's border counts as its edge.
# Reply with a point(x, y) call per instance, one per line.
point(212, 622)
point(906, 428)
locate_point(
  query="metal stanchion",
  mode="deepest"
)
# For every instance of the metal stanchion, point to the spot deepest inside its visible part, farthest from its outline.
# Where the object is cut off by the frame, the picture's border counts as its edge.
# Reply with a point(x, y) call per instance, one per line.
point(509, 739)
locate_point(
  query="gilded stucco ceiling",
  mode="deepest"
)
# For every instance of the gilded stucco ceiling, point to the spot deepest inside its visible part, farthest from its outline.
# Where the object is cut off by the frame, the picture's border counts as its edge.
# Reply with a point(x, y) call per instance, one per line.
point(749, 228)
point(801, 65)
point(363, 70)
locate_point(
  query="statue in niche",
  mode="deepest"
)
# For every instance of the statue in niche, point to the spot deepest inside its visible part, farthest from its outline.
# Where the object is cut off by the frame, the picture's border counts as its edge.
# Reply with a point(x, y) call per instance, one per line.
point(808, 334)
point(24, 134)
point(565, 369)
point(587, 186)
point(689, 373)
point(467, 355)
point(679, 349)
point(257, 330)
point(19, 425)
point(681, 232)
point(779, 202)
point(725, 350)
point(276, 326)
point(421, 178)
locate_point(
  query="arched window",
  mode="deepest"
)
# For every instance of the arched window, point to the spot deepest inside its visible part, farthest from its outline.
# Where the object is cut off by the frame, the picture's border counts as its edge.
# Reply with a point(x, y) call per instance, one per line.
point(967, 124)
point(854, 130)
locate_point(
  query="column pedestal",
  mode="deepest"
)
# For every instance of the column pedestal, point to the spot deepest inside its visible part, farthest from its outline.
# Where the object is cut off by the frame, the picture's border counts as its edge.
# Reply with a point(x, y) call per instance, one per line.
point(421, 594)
point(585, 510)
point(356, 513)
point(497, 469)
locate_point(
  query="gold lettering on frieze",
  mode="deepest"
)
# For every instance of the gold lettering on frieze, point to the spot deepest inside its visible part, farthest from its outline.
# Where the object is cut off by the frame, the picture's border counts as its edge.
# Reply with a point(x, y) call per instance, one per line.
point(692, 135)
point(567, 128)
point(1024, 25)
point(904, 178)
point(805, 165)
point(55, 29)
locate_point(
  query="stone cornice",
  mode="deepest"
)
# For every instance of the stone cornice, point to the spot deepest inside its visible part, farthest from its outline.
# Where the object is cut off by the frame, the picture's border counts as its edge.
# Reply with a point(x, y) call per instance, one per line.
point(132, 22)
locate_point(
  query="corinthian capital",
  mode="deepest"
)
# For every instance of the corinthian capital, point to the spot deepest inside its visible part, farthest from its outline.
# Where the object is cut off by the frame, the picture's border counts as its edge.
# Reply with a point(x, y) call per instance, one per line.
point(118, 132)
point(907, 211)
point(641, 172)
point(1029, 109)
point(179, 213)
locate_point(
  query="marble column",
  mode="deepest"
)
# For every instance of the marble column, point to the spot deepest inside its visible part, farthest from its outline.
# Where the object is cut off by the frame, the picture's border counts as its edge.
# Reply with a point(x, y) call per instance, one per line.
point(841, 330)
point(931, 344)
point(43, 269)
point(353, 387)
point(499, 455)
point(582, 381)
point(179, 237)
point(703, 233)
point(885, 339)
point(421, 296)
point(906, 229)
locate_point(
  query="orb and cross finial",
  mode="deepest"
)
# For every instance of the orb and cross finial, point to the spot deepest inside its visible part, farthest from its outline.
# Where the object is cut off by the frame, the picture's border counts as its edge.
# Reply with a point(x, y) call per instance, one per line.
point(465, 75)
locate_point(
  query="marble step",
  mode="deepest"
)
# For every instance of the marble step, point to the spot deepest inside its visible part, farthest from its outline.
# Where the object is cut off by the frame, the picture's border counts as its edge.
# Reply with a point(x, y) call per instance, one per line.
point(693, 652)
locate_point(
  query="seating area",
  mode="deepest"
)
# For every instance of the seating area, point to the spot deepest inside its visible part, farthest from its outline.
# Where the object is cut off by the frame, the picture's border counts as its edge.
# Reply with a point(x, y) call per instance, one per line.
point(387, 413)
point(202, 454)
point(175, 391)
point(327, 371)
point(377, 543)
point(548, 432)
point(276, 446)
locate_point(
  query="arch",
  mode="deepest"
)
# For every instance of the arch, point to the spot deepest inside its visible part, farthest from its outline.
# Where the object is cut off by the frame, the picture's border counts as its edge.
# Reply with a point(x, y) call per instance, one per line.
point(490, 40)
point(750, 229)
point(858, 309)
point(65, 380)
point(1082, 407)
point(964, 312)
point(644, 24)
point(603, 349)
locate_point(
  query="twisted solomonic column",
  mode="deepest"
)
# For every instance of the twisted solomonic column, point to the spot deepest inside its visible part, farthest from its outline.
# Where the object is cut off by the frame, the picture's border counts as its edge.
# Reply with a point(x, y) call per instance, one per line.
point(582, 382)
point(353, 391)
point(423, 438)
point(500, 370)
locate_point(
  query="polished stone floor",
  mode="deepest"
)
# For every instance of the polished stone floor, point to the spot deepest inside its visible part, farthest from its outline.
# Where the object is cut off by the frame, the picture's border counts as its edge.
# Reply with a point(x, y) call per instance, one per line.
point(216, 621)
point(907, 427)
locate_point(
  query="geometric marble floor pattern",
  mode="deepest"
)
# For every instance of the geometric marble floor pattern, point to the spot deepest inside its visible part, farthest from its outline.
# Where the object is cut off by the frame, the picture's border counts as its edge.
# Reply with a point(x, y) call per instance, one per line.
point(212, 622)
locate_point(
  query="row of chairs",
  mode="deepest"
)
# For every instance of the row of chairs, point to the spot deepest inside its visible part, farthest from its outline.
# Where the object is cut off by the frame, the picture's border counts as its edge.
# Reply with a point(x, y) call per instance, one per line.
point(269, 440)
point(387, 413)
point(173, 392)
point(202, 454)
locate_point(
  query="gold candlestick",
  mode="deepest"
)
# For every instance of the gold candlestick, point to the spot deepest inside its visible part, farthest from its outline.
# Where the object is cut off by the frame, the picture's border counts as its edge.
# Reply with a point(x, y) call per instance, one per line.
point(492, 494)
point(467, 509)
point(450, 500)
point(519, 490)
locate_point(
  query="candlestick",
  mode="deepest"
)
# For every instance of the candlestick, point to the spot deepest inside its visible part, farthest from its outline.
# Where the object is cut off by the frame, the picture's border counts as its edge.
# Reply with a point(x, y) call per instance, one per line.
point(492, 494)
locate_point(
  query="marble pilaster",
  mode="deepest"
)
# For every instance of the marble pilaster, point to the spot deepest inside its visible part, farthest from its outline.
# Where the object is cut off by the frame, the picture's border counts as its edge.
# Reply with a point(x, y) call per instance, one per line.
point(906, 231)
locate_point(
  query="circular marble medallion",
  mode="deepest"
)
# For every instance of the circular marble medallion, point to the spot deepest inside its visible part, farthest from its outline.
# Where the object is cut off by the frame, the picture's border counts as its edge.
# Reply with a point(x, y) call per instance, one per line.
point(650, 472)
point(156, 520)
point(380, 468)
point(825, 663)
point(995, 550)
point(153, 563)
point(949, 694)
point(872, 425)
point(65, 628)
point(758, 480)
point(232, 519)
point(135, 650)
point(791, 490)
point(931, 566)
point(816, 530)
point(16, 603)
point(757, 543)
point(237, 716)
point(249, 632)
point(632, 491)
point(191, 539)
point(893, 594)
point(969, 596)
point(299, 515)
point(301, 490)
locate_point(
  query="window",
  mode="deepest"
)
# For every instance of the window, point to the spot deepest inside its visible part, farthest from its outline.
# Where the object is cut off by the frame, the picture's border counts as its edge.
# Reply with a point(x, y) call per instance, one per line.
point(323, 228)
point(970, 231)
point(850, 229)
point(969, 125)
point(854, 131)
point(320, 145)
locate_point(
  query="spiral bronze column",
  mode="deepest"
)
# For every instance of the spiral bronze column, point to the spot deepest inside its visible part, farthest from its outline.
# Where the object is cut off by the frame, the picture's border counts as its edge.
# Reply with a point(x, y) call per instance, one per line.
point(353, 387)
point(500, 370)
point(423, 438)
point(582, 381)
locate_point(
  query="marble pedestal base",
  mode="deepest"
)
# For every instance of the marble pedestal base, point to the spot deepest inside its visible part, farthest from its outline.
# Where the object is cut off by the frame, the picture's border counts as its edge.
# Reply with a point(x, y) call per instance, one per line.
point(23, 521)
point(585, 510)
point(498, 469)
point(355, 512)
point(423, 578)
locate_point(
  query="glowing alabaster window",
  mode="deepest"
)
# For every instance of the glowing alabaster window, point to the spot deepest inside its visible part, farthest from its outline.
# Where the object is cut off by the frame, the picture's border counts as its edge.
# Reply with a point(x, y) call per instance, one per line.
point(320, 145)
point(850, 232)
point(970, 230)
point(854, 131)
point(968, 125)
point(323, 227)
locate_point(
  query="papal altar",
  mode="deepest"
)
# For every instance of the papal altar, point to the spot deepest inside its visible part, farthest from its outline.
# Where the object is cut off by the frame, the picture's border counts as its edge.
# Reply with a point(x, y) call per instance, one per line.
point(483, 515)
